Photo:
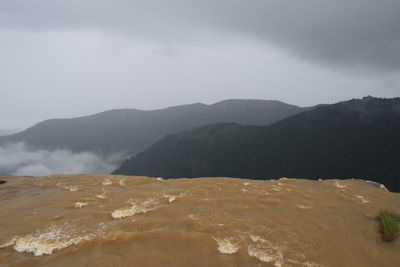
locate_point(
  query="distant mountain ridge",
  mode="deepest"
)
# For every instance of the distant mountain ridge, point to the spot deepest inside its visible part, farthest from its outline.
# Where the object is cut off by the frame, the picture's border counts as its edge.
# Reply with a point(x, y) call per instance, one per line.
point(4, 132)
point(352, 139)
point(134, 130)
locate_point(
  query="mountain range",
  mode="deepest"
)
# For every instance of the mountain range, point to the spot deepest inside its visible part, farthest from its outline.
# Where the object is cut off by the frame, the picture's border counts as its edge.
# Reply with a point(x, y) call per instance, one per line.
point(133, 130)
point(352, 139)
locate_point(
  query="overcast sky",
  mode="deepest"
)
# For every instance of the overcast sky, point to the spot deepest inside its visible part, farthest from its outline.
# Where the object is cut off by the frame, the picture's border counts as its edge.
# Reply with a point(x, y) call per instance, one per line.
point(68, 58)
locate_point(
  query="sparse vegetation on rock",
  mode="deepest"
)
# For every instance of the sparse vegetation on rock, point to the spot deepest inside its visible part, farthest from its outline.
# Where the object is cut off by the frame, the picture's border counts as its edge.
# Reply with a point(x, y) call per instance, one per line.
point(389, 226)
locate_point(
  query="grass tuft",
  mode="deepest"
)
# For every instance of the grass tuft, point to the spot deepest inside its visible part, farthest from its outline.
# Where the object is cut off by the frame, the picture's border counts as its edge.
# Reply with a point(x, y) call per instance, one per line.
point(389, 226)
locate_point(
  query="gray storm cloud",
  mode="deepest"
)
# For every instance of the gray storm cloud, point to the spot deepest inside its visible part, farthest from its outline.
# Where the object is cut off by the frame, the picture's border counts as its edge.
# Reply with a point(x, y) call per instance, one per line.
point(20, 159)
point(337, 32)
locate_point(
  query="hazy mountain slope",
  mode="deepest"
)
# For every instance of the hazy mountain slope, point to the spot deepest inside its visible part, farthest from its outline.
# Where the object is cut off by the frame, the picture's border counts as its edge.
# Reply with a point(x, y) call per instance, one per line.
point(353, 139)
point(8, 131)
point(134, 130)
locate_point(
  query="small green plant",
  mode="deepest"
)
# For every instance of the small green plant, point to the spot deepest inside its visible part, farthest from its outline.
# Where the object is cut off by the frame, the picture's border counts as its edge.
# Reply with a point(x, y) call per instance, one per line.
point(388, 225)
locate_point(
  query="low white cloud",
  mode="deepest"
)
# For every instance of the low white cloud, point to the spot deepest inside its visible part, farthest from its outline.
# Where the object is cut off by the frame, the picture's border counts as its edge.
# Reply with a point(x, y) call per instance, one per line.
point(21, 159)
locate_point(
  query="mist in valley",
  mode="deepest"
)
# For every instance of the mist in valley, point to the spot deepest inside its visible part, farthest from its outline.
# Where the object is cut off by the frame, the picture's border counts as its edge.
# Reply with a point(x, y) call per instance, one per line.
point(25, 160)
